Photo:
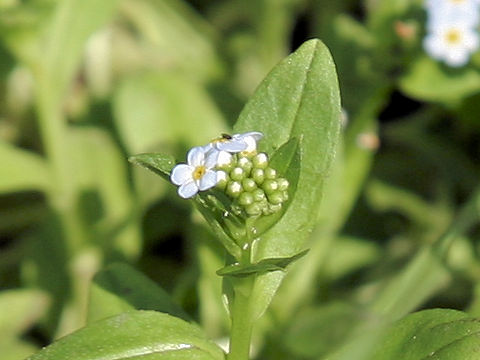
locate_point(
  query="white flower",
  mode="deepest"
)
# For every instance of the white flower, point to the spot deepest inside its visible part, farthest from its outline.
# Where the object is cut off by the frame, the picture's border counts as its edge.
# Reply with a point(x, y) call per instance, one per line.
point(198, 174)
point(448, 11)
point(238, 142)
point(452, 43)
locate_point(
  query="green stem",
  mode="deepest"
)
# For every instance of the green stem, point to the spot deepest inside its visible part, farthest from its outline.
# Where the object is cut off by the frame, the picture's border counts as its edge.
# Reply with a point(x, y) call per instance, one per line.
point(242, 322)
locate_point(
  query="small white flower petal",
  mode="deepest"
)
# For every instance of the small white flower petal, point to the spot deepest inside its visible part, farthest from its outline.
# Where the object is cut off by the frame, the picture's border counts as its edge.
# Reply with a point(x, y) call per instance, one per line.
point(211, 158)
point(188, 189)
point(232, 146)
point(196, 156)
point(208, 180)
point(456, 57)
point(251, 143)
point(257, 135)
point(181, 174)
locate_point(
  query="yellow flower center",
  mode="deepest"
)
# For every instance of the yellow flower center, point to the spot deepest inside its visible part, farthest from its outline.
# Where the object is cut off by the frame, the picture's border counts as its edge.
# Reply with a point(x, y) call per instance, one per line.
point(453, 36)
point(198, 172)
point(457, 1)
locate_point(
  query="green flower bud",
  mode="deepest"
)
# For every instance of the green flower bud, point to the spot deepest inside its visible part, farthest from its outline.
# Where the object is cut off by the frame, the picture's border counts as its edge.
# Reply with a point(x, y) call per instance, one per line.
point(234, 189)
point(258, 195)
point(272, 209)
point(258, 175)
point(275, 197)
point(253, 209)
point(222, 179)
point(269, 186)
point(245, 199)
point(282, 184)
point(246, 164)
point(260, 161)
point(249, 184)
point(237, 174)
point(270, 173)
point(285, 195)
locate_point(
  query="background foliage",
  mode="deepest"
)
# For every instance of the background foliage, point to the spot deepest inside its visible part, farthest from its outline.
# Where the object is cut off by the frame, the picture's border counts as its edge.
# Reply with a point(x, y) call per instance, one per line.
point(84, 84)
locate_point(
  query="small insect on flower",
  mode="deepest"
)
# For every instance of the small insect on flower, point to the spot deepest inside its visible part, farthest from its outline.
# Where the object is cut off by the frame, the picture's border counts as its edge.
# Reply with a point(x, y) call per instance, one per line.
point(246, 142)
point(198, 174)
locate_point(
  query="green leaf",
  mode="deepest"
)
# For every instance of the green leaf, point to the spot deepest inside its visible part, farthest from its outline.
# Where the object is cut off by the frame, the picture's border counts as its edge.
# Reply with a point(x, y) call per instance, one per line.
point(430, 80)
point(119, 288)
point(431, 334)
point(160, 164)
point(21, 170)
point(263, 266)
point(299, 98)
point(134, 335)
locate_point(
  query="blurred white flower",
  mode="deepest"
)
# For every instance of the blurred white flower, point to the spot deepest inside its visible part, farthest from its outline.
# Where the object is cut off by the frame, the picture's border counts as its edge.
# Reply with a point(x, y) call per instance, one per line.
point(465, 11)
point(198, 174)
point(451, 42)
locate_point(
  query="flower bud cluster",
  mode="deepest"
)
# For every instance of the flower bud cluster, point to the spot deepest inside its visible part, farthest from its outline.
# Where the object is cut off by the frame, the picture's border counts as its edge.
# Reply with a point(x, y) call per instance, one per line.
point(231, 163)
point(254, 186)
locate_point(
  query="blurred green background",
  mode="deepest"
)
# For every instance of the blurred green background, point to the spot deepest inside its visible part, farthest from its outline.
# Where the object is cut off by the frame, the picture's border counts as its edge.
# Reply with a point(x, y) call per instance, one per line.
point(84, 84)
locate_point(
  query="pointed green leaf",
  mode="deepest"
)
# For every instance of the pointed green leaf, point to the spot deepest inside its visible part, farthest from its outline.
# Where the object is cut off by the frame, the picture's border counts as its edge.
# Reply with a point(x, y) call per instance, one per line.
point(138, 335)
point(119, 288)
point(160, 164)
point(263, 266)
point(299, 98)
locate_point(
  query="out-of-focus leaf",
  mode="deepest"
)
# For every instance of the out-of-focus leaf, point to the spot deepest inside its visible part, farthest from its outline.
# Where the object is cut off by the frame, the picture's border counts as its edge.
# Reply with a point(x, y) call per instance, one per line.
point(160, 164)
point(73, 22)
point(101, 182)
point(263, 266)
point(348, 254)
point(430, 80)
point(176, 35)
point(19, 309)
point(119, 288)
point(425, 274)
point(15, 349)
point(315, 331)
point(45, 266)
point(299, 98)
point(134, 335)
point(21, 170)
point(156, 111)
point(431, 334)
point(213, 317)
